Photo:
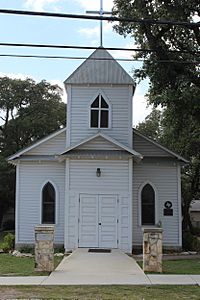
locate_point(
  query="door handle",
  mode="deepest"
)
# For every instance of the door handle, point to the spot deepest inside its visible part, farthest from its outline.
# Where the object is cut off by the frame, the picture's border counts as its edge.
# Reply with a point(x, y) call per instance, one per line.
point(99, 223)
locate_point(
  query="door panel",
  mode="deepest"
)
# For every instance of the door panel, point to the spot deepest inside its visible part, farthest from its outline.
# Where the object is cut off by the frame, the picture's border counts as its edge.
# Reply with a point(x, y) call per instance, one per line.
point(98, 221)
point(108, 221)
point(88, 225)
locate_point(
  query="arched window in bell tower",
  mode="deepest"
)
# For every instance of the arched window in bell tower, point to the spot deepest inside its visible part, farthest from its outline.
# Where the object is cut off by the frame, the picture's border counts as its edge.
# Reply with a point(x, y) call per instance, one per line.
point(99, 113)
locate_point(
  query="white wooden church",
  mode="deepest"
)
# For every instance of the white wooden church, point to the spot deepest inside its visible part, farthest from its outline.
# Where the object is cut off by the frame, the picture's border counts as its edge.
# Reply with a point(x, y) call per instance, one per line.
point(98, 180)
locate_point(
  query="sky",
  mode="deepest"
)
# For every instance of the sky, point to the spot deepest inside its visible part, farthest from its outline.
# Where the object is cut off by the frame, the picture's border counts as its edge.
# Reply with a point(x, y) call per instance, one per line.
point(43, 30)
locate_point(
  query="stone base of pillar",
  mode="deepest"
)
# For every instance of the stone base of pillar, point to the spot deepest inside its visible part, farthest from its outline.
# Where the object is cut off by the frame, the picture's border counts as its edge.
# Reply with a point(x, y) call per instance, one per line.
point(152, 250)
point(44, 249)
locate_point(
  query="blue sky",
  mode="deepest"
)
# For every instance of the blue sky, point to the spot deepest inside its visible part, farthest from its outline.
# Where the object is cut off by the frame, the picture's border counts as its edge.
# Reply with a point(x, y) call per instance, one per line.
point(26, 29)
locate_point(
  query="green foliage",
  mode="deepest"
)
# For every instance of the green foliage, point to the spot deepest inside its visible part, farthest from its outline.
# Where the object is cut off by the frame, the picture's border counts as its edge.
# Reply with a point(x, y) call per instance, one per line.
point(190, 242)
point(174, 79)
point(27, 249)
point(29, 111)
point(5, 247)
point(59, 249)
point(8, 242)
point(151, 127)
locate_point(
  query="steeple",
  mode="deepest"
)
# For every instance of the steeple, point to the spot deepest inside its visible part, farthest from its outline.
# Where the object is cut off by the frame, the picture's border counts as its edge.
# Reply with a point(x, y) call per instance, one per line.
point(100, 68)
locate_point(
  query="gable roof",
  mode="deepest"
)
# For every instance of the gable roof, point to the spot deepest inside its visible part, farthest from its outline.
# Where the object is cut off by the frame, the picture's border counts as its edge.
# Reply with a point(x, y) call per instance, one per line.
point(36, 144)
point(160, 147)
point(137, 156)
point(100, 68)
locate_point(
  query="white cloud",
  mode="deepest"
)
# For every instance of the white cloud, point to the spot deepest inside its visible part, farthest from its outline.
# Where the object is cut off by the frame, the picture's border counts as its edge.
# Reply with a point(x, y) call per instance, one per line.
point(16, 76)
point(124, 54)
point(95, 5)
point(94, 31)
point(39, 5)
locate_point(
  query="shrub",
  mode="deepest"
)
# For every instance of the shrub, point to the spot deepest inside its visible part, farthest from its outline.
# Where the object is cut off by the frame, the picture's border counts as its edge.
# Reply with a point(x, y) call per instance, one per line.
point(190, 242)
point(9, 239)
point(5, 247)
point(59, 249)
point(26, 249)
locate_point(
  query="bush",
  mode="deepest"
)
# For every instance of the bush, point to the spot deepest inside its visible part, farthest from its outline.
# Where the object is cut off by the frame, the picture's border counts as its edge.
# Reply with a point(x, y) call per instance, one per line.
point(10, 240)
point(59, 249)
point(190, 242)
point(5, 247)
point(26, 249)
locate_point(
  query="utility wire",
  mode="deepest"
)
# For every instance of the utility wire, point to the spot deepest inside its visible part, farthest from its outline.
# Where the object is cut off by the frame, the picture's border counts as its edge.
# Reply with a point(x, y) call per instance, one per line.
point(96, 59)
point(103, 18)
point(91, 48)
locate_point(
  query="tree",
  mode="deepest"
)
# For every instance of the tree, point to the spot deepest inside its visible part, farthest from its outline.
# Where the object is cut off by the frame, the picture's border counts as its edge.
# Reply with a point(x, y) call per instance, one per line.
point(28, 111)
point(151, 127)
point(174, 77)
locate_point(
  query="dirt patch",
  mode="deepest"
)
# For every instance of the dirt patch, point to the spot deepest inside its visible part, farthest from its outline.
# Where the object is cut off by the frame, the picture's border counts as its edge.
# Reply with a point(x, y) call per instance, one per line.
point(9, 293)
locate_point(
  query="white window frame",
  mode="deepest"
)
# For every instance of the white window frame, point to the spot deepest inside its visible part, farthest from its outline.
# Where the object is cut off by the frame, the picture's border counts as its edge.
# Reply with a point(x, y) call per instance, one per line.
point(140, 204)
point(56, 202)
point(100, 93)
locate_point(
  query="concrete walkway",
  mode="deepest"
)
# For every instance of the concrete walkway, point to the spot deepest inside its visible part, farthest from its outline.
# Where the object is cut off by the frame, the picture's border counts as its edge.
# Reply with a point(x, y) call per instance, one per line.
point(115, 268)
point(83, 267)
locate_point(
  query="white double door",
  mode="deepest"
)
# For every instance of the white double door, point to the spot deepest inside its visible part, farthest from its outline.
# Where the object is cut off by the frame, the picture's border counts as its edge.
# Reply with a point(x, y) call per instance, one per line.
point(98, 221)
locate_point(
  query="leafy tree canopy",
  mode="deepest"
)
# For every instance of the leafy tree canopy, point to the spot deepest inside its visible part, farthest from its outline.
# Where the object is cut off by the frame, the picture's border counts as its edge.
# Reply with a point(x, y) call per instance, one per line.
point(174, 77)
point(28, 111)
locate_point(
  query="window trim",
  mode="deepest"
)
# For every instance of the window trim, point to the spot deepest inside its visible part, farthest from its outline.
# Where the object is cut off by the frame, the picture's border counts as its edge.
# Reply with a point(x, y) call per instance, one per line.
point(100, 92)
point(140, 204)
point(56, 202)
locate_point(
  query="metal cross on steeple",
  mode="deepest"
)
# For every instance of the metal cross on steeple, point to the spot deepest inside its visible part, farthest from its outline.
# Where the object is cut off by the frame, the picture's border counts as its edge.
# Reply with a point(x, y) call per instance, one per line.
point(101, 12)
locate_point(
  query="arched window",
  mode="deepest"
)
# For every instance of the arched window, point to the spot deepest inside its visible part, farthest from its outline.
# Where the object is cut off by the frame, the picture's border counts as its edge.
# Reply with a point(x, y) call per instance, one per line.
point(148, 205)
point(99, 113)
point(48, 204)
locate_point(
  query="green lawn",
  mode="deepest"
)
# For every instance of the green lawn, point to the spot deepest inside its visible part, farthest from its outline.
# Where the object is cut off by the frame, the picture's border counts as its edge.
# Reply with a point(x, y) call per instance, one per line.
point(20, 266)
point(101, 292)
point(182, 266)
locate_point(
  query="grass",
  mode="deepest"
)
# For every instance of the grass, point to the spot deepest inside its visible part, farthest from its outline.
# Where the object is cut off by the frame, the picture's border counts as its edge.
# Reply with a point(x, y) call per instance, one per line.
point(182, 266)
point(101, 292)
point(20, 266)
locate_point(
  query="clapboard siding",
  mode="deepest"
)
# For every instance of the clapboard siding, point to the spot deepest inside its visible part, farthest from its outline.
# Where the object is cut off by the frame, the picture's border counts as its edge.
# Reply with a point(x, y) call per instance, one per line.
point(98, 143)
point(163, 175)
point(81, 98)
point(55, 145)
point(32, 177)
point(147, 148)
point(114, 175)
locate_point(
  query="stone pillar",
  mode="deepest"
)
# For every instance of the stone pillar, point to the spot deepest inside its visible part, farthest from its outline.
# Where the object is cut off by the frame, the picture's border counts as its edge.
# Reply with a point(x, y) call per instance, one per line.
point(44, 250)
point(152, 249)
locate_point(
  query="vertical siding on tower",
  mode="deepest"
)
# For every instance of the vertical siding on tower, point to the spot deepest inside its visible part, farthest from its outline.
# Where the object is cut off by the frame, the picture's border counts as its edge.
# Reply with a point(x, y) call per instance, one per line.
point(119, 97)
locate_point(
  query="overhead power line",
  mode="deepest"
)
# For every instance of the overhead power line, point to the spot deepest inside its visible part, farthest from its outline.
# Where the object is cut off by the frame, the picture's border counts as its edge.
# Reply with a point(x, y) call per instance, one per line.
point(91, 48)
point(96, 59)
point(103, 18)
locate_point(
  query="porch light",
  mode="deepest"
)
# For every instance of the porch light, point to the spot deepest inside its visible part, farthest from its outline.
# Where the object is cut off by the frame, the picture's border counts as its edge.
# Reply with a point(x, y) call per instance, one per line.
point(98, 172)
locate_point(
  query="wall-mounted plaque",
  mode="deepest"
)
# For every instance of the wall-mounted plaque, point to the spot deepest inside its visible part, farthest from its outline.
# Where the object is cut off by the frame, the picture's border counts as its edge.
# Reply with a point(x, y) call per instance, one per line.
point(168, 210)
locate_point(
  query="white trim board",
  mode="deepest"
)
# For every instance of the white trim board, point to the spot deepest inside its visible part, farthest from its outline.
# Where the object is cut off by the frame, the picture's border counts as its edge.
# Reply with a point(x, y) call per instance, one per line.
point(160, 146)
point(137, 156)
point(47, 138)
